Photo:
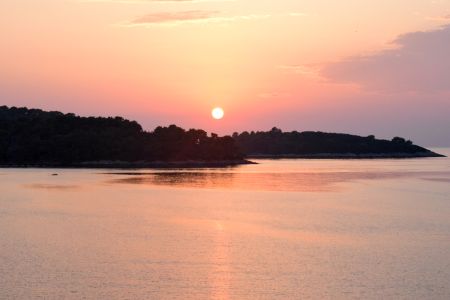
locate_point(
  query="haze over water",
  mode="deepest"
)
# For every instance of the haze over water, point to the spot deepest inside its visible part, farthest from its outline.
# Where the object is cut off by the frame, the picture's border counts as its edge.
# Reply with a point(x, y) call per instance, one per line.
point(282, 229)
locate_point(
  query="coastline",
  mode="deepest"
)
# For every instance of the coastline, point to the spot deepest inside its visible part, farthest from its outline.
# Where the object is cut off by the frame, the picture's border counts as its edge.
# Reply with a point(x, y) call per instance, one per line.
point(215, 163)
point(134, 165)
point(347, 156)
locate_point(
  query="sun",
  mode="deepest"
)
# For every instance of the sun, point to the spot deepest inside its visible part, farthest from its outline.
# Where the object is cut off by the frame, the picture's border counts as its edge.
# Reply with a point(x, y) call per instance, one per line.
point(217, 113)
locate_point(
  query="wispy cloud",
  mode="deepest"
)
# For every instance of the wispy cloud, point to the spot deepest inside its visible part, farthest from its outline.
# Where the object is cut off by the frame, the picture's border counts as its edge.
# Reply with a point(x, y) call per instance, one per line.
point(444, 19)
point(170, 17)
point(309, 70)
point(151, 1)
point(419, 63)
point(274, 95)
point(195, 16)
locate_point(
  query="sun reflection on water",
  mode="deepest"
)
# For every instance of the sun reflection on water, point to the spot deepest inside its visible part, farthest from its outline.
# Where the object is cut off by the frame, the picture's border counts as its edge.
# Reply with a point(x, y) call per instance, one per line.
point(220, 275)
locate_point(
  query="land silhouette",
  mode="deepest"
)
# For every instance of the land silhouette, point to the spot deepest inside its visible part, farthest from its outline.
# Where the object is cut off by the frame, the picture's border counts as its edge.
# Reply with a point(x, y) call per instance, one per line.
point(310, 144)
point(37, 138)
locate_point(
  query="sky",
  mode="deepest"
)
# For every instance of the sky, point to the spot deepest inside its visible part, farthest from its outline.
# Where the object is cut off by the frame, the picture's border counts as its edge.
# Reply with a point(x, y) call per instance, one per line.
point(362, 66)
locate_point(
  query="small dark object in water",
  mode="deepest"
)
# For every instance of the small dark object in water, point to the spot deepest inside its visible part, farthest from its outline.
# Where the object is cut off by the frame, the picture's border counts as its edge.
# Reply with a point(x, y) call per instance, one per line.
point(55, 174)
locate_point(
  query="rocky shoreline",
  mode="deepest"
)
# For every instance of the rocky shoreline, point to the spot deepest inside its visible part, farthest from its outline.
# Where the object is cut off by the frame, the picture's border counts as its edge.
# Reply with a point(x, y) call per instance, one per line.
point(133, 165)
point(348, 156)
point(216, 164)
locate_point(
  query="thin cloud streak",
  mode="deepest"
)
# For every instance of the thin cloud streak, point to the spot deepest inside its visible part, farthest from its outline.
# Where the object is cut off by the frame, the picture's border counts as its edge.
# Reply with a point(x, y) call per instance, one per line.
point(195, 16)
point(151, 1)
point(312, 71)
point(167, 17)
point(444, 19)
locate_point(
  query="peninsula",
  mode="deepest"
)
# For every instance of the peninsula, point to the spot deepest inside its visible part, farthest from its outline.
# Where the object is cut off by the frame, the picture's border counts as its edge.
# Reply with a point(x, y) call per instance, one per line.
point(310, 144)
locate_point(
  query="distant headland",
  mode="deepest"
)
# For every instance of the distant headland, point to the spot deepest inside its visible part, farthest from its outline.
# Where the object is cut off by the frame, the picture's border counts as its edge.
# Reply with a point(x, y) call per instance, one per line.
point(311, 144)
point(36, 138)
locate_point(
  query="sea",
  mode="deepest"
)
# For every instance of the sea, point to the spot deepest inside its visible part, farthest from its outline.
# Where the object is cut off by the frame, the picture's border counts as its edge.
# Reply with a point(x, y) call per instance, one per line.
point(279, 229)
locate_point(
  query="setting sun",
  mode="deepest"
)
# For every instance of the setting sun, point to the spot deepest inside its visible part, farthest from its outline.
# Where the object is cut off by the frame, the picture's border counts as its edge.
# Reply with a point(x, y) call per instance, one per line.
point(217, 113)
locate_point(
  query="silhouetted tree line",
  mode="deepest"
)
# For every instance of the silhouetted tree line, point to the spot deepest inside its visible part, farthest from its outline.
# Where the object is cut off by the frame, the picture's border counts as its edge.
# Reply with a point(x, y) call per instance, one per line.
point(277, 142)
point(30, 136)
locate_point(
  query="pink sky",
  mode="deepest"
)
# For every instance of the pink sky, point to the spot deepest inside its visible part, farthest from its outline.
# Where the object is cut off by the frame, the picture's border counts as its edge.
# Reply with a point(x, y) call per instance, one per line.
point(364, 67)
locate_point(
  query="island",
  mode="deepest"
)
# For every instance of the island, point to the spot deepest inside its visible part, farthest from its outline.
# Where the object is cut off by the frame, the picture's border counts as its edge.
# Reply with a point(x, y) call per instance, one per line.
point(37, 138)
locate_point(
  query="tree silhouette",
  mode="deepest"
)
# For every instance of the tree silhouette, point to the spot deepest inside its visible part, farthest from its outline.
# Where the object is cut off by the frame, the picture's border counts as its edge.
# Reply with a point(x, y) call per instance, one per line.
point(30, 136)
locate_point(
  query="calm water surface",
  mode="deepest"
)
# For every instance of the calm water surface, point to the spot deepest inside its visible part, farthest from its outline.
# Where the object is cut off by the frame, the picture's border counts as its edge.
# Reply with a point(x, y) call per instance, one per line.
point(286, 229)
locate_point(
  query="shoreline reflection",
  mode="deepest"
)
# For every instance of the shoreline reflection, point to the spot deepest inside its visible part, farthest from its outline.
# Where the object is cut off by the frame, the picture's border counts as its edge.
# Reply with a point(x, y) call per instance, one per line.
point(295, 182)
